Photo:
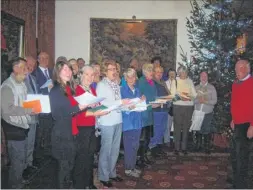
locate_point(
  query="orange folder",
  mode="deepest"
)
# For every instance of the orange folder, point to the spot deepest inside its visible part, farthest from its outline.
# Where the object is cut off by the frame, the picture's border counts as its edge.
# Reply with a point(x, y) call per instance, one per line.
point(34, 104)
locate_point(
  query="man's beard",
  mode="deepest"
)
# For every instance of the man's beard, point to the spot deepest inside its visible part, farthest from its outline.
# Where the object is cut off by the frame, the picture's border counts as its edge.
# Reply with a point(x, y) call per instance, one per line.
point(20, 78)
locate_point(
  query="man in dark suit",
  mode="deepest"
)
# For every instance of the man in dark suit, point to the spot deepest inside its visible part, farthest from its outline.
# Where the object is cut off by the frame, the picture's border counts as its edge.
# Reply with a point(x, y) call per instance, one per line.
point(42, 74)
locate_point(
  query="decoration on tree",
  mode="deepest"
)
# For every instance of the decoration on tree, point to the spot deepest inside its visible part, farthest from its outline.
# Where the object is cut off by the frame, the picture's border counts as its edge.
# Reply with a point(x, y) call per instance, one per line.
point(241, 43)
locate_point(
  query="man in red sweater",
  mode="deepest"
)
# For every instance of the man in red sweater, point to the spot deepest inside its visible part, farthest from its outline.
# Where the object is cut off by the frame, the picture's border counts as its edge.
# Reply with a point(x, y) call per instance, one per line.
point(242, 122)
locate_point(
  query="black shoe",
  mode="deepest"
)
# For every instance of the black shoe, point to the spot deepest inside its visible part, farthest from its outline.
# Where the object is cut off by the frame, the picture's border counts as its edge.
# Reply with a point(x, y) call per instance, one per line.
point(117, 179)
point(147, 161)
point(29, 171)
point(90, 187)
point(93, 186)
point(106, 183)
point(176, 152)
point(184, 152)
point(141, 164)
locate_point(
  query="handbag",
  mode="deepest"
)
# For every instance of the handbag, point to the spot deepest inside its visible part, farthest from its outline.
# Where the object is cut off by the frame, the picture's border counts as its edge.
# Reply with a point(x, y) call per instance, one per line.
point(197, 119)
point(13, 132)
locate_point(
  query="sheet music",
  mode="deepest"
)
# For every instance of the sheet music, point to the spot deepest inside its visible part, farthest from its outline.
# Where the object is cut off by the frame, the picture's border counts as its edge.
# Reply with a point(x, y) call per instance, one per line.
point(87, 99)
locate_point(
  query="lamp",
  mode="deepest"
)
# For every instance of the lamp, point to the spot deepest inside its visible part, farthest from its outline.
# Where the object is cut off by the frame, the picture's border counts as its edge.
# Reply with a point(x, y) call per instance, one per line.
point(133, 20)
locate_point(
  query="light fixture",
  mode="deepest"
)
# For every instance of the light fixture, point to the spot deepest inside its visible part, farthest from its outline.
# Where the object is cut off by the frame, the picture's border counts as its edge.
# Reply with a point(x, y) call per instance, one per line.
point(133, 20)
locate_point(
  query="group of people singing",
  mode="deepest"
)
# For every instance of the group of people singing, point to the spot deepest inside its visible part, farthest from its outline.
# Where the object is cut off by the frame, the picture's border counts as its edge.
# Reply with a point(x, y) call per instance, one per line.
point(73, 136)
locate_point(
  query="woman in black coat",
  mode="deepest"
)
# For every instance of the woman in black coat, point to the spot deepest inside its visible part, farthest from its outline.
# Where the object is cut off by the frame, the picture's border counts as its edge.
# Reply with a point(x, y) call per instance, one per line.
point(63, 149)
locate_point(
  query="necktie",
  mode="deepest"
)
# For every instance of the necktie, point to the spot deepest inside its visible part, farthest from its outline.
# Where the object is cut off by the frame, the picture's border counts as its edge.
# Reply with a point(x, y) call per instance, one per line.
point(31, 83)
point(46, 74)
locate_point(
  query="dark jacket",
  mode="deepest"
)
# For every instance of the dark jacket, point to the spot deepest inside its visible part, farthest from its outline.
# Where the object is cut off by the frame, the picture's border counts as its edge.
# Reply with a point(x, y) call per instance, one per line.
point(162, 91)
point(41, 79)
point(62, 140)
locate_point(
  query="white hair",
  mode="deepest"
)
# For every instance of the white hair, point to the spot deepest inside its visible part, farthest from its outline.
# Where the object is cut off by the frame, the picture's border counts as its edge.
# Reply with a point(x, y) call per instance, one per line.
point(130, 73)
point(86, 68)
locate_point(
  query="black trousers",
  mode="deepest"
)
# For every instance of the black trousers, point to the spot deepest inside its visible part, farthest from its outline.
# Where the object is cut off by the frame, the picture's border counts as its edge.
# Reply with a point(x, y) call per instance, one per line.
point(43, 136)
point(86, 146)
point(146, 134)
point(240, 155)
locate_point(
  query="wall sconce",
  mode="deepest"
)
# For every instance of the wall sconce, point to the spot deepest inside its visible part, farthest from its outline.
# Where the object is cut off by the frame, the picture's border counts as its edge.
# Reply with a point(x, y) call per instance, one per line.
point(133, 20)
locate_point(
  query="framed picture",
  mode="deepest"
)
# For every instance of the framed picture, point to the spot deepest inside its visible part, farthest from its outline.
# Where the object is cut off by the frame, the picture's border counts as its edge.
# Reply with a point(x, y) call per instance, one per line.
point(124, 40)
point(12, 41)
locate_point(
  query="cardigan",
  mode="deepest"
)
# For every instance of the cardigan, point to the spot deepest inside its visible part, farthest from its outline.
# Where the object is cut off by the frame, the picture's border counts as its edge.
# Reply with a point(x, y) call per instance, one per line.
point(80, 119)
point(115, 116)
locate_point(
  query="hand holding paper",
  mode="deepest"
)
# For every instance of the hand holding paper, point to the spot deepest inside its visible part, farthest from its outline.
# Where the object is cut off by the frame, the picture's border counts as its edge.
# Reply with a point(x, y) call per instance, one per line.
point(88, 99)
point(35, 100)
point(48, 84)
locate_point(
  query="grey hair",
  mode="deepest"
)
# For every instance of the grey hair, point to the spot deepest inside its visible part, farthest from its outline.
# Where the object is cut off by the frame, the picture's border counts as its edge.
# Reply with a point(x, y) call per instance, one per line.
point(182, 69)
point(85, 68)
point(130, 73)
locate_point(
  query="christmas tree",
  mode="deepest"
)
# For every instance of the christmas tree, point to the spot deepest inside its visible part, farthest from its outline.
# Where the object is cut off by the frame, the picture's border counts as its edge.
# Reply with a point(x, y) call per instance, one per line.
point(214, 30)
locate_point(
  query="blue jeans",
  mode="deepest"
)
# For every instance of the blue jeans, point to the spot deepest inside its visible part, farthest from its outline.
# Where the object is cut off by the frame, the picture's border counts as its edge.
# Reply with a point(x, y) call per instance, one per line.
point(109, 151)
point(160, 124)
point(131, 140)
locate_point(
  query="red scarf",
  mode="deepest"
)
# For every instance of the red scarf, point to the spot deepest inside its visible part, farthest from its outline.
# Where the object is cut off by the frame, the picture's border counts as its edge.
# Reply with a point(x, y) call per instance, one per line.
point(150, 82)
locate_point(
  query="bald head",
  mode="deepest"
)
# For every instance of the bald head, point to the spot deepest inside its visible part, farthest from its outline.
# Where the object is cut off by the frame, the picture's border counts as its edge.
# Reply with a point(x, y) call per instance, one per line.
point(242, 69)
point(43, 59)
point(30, 63)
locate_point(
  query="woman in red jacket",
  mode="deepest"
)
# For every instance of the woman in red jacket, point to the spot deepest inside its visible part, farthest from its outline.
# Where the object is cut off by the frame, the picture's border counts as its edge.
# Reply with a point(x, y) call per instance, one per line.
point(83, 128)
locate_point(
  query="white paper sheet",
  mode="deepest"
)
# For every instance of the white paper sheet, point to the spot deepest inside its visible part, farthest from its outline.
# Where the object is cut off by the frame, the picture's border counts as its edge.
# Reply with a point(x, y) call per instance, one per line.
point(46, 84)
point(44, 101)
point(87, 99)
point(138, 103)
point(112, 108)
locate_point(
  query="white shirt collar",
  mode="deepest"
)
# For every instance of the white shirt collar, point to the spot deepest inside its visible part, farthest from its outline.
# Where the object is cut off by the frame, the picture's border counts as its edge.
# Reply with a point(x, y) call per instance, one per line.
point(42, 69)
point(203, 84)
point(248, 76)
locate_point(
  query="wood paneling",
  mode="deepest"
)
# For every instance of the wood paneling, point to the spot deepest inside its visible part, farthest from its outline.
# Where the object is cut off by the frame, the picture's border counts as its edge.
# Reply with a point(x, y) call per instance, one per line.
point(26, 10)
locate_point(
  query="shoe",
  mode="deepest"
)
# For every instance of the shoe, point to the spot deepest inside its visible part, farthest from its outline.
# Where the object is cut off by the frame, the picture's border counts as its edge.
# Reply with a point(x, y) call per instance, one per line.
point(137, 171)
point(176, 152)
point(147, 161)
point(92, 186)
point(141, 164)
point(28, 172)
point(184, 152)
point(117, 179)
point(132, 173)
point(106, 183)
point(160, 150)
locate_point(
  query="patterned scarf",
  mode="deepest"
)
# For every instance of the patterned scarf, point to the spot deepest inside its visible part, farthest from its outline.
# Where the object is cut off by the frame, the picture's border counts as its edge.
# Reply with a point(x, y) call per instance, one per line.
point(114, 86)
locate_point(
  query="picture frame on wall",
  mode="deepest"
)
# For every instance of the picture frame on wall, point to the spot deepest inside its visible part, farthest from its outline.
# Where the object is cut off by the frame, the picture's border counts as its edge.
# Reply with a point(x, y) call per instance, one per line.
point(12, 41)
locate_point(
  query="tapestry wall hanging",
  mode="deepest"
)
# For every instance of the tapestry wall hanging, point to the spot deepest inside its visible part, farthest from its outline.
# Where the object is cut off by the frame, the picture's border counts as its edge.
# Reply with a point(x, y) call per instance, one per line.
point(12, 41)
point(122, 41)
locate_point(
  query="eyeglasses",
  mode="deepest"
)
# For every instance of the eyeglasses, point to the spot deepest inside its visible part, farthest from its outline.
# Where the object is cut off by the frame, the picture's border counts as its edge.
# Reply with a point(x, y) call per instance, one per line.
point(112, 69)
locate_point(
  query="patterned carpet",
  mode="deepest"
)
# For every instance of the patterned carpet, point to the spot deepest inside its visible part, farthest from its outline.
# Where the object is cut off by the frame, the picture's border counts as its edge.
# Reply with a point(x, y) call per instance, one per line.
point(195, 170)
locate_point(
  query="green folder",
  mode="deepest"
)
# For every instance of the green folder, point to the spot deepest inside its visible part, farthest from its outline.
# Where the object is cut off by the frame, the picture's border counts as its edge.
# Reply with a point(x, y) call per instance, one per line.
point(97, 108)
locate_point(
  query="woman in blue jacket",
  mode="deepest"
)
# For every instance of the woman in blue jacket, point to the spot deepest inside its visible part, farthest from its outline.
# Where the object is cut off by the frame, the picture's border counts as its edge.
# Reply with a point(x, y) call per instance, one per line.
point(132, 124)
